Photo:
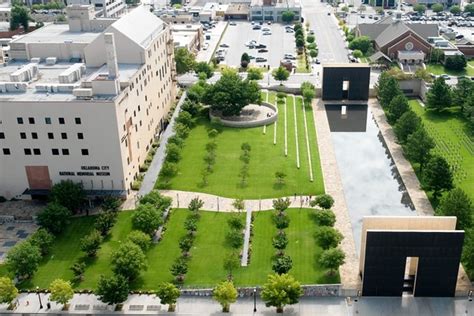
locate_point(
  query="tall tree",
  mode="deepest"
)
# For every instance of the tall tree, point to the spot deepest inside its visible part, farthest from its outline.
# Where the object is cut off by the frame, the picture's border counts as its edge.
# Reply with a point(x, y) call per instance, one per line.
point(90, 243)
point(407, 124)
point(203, 67)
point(225, 293)
point(387, 88)
point(437, 176)
point(184, 59)
point(128, 260)
point(19, 15)
point(168, 294)
point(439, 96)
point(457, 203)
point(418, 146)
point(461, 92)
point(43, 240)
point(281, 290)
point(23, 259)
point(437, 7)
point(468, 109)
point(61, 291)
point(113, 289)
point(468, 251)
point(397, 107)
point(68, 194)
point(147, 218)
point(281, 74)
point(54, 218)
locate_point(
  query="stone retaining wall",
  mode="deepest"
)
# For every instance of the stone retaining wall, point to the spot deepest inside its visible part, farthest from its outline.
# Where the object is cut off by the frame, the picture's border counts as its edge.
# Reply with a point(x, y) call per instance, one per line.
point(247, 124)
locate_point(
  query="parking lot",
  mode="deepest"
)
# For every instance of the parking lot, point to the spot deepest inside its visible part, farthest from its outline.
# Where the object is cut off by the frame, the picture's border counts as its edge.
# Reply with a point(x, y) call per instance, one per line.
point(277, 44)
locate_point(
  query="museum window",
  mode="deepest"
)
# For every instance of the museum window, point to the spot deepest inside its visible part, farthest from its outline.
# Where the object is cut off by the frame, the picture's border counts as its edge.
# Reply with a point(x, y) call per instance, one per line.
point(19, 120)
point(27, 151)
point(6, 151)
point(85, 152)
point(34, 135)
point(80, 136)
point(64, 135)
point(65, 151)
point(77, 120)
point(36, 151)
point(2, 135)
point(31, 120)
point(23, 135)
point(47, 120)
point(61, 120)
point(50, 136)
point(55, 152)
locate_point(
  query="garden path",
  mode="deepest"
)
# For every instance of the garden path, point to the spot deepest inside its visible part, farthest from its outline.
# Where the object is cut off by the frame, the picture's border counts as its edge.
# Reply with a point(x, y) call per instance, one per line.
point(245, 249)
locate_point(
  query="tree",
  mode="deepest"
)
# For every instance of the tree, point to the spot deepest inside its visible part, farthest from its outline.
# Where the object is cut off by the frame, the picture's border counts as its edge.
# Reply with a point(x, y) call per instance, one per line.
point(234, 238)
point(8, 291)
point(282, 264)
point(324, 200)
point(332, 259)
point(362, 43)
point(468, 251)
point(281, 204)
point(281, 220)
point(236, 222)
point(456, 62)
point(203, 67)
point(61, 291)
point(280, 177)
point(244, 60)
point(457, 203)
point(310, 38)
point(231, 93)
point(308, 91)
point(186, 119)
point(325, 218)
point(19, 15)
point(128, 260)
point(43, 240)
point(179, 268)
point(418, 146)
point(439, 96)
point(299, 41)
point(328, 237)
point(90, 244)
point(420, 8)
point(168, 294)
point(280, 241)
point(23, 259)
point(105, 221)
point(197, 90)
point(140, 239)
point(254, 74)
point(407, 124)
point(436, 55)
point(54, 218)
point(437, 176)
point(397, 107)
point(68, 194)
point(155, 198)
point(225, 293)
point(238, 204)
point(113, 289)
point(288, 16)
point(184, 59)
point(437, 7)
point(195, 204)
point(357, 53)
point(146, 218)
point(231, 263)
point(313, 53)
point(469, 8)
point(461, 92)
point(281, 290)
point(173, 152)
point(78, 269)
point(281, 74)
point(387, 89)
point(455, 9)
point(468, 108)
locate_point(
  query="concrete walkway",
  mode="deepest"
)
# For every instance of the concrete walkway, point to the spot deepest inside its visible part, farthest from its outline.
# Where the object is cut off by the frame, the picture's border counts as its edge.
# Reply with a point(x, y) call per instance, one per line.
point(333, 186)
point(245, 248)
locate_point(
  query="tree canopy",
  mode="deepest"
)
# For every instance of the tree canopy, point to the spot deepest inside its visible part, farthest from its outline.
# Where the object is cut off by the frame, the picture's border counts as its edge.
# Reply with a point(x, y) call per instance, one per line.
point(61, 291)
point(288, 16)
point(439, 96)
point(8, 291)
point(19, 15)
point(184, 59)
point(407, 124)
point(437, 176)
point(23, 259)
point(113, 289)
point(457, 203)
point(128, 260)
point(281, 290)
point(437, 7)
point(418, 146)
point(456, 62)
point(168, 294)
point(147, 218)
point(332, 259)
point(68, 194)
point(281, 74)
point(362, 43)
point(225, 293)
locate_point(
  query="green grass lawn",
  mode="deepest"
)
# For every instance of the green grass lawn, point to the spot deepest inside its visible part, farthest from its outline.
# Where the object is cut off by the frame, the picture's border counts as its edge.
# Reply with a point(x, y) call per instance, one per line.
point(265, 159)
point(438, 69)
point(450, 131)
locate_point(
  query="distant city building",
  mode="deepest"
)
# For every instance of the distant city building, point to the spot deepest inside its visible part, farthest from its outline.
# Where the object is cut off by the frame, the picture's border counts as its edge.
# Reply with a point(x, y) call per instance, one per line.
point(430, 2)
point(189, 36)
point(84, 101)
point(272, 10)
point(104, 8)
point(381, 3)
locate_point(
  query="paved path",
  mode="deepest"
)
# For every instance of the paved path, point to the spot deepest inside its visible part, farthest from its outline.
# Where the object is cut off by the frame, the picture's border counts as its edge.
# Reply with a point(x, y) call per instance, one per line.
point(331, 306)
point(333, 186)
point(245, 248)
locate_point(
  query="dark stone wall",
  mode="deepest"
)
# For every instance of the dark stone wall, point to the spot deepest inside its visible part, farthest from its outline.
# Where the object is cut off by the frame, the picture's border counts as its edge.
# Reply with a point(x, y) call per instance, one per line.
point(439, 255)
point(358, 77)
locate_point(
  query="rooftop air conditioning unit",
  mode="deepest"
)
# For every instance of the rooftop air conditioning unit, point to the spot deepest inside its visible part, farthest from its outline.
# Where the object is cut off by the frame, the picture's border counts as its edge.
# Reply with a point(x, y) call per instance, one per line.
point(51, 61)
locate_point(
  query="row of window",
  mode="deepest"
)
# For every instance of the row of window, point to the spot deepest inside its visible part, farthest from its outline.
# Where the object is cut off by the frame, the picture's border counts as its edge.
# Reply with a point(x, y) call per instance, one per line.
point(34, 135)
point(37, 151)
point(47, 120)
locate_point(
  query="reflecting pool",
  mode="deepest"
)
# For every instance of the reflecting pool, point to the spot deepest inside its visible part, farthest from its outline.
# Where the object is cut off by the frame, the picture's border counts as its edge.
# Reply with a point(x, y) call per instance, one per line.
point(370, 179)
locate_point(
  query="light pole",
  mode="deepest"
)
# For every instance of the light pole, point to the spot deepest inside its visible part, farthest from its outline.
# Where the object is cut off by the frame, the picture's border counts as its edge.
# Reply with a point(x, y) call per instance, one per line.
point(39, 297)
point(255, 300)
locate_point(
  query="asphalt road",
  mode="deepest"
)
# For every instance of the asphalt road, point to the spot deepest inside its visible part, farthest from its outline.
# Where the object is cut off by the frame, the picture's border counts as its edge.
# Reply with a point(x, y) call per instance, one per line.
point(278, 44)
point(328, 36)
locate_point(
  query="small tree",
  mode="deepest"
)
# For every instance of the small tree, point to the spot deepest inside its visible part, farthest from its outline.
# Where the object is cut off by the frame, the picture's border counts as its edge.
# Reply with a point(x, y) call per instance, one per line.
point(128, 260)
point(324, 201)
point(456, 62)
point(361, 43)
point(19, 15)
point(234, 238)
point(325, 218)
point(225, 293)
point(281, 220)
point(280, 177)
point(168, 294)
point(281, 204)
point(280, 241)
point(105, 221)
point(457, 203)
point(195, 204)
point(78, 269)
point(397, 107)
point(328, 237)
point(469, 8)
point(288, 16)
point(23, 259)
point(387, 88)
point(310, 38)
point(184, 59)
point(113, 289)
point(437, 176)
point(418, 146)
point(203, 67)
point(437, 7)
point(420, 8)
point(239, 204)
point(90, 244)
point(147, 219)
point(244, 60)
point(54, 218)
point(68, 194)
point(179, 269)
point(236, 222)
point(455, 9)
point(281, 74)
point(173, 152)
point(140, 239)
point(468, 251)
point(332, 259)
point(281, 290)
point(439, 96)
point(282, 264)
point(43, 240)
point(231, 263)
point(61, 292)
point(308, 91)
point(8, 291)
point(186, 119)
point(407, 124)
point(254, 74)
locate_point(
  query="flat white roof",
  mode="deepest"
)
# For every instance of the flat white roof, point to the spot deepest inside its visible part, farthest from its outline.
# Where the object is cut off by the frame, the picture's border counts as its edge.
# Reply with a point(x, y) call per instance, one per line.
point(56, 33)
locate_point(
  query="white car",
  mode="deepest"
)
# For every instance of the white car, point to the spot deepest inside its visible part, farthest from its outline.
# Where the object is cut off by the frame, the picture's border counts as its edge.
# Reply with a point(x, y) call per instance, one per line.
point(251, 43)
point(289, 56)
point(266, 29)
point(267, 33)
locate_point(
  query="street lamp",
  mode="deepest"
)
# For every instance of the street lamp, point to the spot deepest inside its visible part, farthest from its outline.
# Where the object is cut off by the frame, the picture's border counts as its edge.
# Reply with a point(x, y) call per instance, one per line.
point(39, 297)
point(254, 300)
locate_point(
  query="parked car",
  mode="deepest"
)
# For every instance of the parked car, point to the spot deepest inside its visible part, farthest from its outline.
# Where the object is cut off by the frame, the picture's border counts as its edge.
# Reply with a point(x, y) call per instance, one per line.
point(311, 32)
point(289, 56)
point(251, 43)
point(256, 27)
point(263, 50)
point(224, 45)
point(267, 33)
point(289, 31)
point(316, 61)
point(266, 29)
point(269, 23)
point(329, 13)
point(260, 60)
point(233, 23)
point(261, 46)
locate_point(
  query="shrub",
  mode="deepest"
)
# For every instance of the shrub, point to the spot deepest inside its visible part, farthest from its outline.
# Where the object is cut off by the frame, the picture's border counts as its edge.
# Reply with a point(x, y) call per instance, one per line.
point(325, 218)
point(190, 223)
point(282, 264)
point(325, 201)
point(328, 237)
point(179, 268)
point(169, 169)
point(280, 241)
point(181, 130)
point(281, 220)
point(175, 139)
point(54, 218)
point(191, 107)
point(91, 243)
point(105, 221)
point(140, 239)
point(154, 198)
point(43, 240)
point(147, 219)
point(173, 152)
point(186, 242)
point(234, 238)
point(186, 119)
point(236, 223)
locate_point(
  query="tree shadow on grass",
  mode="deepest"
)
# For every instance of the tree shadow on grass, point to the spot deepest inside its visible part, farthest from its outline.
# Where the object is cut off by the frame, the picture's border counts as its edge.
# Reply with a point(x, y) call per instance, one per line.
point(278, 186)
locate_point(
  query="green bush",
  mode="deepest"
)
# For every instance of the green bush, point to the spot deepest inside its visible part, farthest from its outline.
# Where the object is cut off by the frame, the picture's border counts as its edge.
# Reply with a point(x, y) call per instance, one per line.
point(235, 238)
point(280, 241)
point(140, 239)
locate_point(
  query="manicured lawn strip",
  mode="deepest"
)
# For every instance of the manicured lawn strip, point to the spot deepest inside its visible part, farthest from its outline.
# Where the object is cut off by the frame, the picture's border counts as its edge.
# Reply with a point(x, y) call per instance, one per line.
point(303, 250)
point(449, 129)
point(313, 143)
point(438, 69)
point(265, 160)
point(271, 97)
point(262, 252)
point(291, 136)
point(65, 251)
point(209, 250)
